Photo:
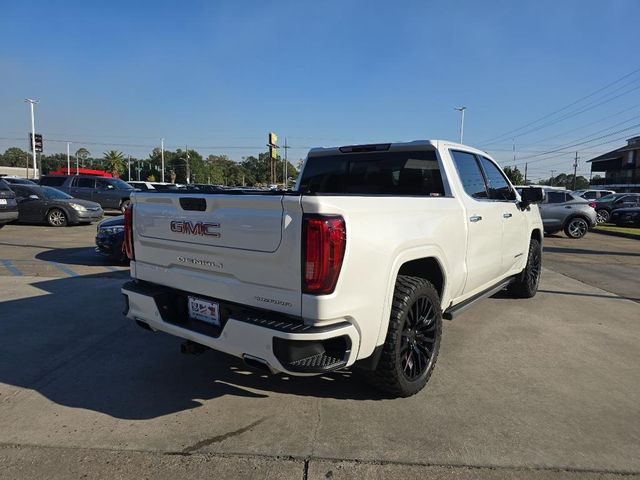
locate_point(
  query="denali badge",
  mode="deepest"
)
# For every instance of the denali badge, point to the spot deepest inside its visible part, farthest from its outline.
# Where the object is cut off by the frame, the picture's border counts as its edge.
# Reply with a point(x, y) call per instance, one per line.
point(282, 303)
point(196, 228)
point(203, 263)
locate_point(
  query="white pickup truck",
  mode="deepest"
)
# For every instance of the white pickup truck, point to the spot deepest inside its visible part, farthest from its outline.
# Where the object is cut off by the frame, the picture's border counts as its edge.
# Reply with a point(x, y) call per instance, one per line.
point(357, 266)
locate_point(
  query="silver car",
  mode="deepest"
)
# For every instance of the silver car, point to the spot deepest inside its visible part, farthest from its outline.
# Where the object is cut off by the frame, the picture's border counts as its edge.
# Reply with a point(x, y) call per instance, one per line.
point(565, 211)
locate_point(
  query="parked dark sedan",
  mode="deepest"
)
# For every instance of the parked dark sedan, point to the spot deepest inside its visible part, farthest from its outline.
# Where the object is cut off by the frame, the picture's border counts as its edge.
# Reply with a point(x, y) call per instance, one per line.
point(607, 204)
point(8, 206)
point(38, 204)
point(109, 239)
point(626, 217)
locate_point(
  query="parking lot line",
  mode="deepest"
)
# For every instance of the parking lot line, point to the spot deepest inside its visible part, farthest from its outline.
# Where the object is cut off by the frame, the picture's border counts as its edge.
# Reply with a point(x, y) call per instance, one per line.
point(12, 268)
point(64, 269)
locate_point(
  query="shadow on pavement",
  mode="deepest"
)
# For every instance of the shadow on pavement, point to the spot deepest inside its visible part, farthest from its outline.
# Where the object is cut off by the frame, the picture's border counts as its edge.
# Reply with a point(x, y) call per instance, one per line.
point(588, 252)
point(580, 294)
point(86, 256)
point(72, 345)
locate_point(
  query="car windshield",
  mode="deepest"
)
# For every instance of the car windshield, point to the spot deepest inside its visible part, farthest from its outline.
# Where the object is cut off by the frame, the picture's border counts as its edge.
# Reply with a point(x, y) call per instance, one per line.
point(608, 198)
point(53, 193)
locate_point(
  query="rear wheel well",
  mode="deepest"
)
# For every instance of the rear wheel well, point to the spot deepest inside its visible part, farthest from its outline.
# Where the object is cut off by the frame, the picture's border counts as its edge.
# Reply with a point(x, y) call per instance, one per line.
point(427, 268)
point(537, 235)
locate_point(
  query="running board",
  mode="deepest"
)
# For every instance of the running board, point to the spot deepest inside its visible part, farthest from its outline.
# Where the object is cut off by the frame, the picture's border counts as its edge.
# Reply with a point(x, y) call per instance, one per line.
point(456, 310)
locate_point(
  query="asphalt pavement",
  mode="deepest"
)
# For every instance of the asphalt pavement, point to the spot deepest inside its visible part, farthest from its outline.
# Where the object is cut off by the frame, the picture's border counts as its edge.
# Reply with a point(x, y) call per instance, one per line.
point(604, 261)
point(543, 388)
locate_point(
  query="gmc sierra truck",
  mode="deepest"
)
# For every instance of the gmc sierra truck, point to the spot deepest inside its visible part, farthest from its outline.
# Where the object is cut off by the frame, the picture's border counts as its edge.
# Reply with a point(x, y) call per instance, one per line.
point(357, 266)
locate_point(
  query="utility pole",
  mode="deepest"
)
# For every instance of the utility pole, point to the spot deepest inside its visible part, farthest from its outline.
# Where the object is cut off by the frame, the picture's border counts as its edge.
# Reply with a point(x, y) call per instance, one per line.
point(32, 102)
point(525, 172)
point(162, 157)
point(552, 172)
point(186, 149)
point(575, 170)
point(129, 167)
point(461, 110)
point(286, 164)
point(68, 160)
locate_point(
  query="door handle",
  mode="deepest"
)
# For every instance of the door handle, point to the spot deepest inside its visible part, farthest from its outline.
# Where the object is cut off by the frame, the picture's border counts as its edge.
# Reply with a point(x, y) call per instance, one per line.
point(507, 215)
point(475, 218)
point(567, 206)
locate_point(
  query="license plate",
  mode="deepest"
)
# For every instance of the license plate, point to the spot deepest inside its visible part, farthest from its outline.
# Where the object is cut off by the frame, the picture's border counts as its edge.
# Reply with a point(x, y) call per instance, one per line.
point(3, 201)
point(204, 310)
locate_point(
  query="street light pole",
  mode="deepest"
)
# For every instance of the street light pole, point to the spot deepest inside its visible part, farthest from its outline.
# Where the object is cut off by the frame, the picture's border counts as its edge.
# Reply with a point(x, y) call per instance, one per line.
point(31, 102)
point(68, 160)
point(461, 110)
point(162, 157)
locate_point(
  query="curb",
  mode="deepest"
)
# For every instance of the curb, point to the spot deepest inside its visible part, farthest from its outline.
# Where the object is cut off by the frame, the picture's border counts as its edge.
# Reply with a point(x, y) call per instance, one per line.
point(617, 234)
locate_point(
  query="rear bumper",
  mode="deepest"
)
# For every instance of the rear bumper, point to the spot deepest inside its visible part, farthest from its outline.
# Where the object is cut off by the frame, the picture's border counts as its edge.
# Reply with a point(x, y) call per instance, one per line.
point(283, 343)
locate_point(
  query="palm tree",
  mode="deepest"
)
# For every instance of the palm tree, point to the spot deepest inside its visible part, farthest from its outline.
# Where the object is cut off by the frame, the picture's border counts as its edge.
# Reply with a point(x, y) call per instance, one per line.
point(115, 162)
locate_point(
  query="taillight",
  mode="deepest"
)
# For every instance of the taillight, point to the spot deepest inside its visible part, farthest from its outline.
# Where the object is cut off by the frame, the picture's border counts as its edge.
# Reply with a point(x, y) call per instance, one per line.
point(592, 204)
point(127, 245)
point(324, 240)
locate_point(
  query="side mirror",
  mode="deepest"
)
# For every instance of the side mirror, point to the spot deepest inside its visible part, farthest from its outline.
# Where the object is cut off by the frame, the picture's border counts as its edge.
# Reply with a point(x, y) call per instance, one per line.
point(531, 195)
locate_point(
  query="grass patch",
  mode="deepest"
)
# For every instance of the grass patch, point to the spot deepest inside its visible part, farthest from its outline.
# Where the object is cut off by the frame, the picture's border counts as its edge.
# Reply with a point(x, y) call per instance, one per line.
point(635, 231)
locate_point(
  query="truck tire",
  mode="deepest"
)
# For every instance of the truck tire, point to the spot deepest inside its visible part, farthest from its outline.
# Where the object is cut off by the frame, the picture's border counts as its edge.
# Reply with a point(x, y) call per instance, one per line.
point(576, 227)
point(410, 350)
point(526, 284)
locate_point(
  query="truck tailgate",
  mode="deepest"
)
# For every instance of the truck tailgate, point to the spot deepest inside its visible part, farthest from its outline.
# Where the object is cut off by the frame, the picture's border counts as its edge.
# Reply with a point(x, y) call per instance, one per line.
point(238, 248)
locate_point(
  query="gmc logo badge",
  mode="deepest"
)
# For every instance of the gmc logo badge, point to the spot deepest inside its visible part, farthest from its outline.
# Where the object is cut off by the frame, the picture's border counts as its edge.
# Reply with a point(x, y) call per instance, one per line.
point(195, 228)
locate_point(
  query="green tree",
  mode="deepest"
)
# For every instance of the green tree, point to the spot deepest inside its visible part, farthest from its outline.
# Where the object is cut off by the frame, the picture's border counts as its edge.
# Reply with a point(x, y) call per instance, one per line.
point(15, 157)
point(514, 175)
point(114, 161)
point(564, 180)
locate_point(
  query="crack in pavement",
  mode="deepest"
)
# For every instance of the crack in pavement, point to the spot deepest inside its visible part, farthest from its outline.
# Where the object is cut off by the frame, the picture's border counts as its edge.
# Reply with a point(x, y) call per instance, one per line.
point(220, 438)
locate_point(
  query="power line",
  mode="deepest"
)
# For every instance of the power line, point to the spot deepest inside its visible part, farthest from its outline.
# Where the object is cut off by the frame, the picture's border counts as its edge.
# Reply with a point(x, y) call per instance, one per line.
point(537, 142)
point(544, 117)
point(582, 143)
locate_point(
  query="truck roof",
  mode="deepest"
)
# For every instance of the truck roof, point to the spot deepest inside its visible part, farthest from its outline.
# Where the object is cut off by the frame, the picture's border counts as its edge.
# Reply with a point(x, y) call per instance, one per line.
point(391, 146)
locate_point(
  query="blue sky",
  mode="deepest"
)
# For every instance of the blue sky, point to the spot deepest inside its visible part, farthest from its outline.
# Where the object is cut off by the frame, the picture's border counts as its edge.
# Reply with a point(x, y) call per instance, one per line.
point(222, 74)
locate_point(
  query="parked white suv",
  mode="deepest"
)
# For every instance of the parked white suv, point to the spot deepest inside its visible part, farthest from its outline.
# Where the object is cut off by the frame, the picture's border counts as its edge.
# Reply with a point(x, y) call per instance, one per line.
point(355, 267)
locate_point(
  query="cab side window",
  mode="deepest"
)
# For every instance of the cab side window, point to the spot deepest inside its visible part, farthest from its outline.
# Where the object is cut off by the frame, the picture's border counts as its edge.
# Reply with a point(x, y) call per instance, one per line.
point(555, 197)
point(470, 174)
point(499, 188)
point(85, 183)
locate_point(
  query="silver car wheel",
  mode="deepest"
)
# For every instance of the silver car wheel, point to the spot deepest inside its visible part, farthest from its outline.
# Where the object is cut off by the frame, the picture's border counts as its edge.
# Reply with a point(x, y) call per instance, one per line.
point(602, 216)
point(57, 218)
point(578, 228)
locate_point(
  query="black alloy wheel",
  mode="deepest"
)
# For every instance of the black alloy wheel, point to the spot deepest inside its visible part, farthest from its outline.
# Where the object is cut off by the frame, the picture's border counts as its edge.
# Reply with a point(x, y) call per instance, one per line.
point(411, 346)
point(526, 283)
point(418, 338)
